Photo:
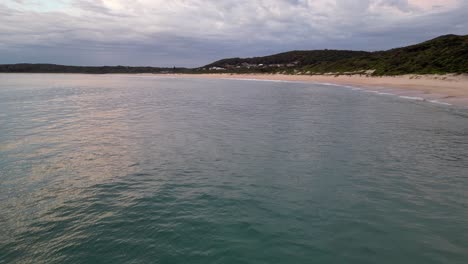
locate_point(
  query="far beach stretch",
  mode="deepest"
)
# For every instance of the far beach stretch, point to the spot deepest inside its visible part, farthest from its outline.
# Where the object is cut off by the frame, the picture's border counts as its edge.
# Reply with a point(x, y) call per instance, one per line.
point(446, 89)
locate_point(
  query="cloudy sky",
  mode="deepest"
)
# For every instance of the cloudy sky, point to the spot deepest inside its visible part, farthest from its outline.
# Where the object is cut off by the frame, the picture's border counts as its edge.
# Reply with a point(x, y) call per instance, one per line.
point(195, 32)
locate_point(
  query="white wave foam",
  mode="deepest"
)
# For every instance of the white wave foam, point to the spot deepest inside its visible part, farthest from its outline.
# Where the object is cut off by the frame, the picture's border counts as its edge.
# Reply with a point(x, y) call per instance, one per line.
point(259, 80)
point(331, 84)
point(439, 102)
point(149, 76)
point(412, 98)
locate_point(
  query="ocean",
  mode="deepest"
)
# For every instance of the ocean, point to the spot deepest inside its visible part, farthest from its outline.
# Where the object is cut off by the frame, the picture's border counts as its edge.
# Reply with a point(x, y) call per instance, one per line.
point(147, 169)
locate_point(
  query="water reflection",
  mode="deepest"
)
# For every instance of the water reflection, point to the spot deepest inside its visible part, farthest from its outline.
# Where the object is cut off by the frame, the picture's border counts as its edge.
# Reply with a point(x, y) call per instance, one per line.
point(121, 168)
point(56, 146)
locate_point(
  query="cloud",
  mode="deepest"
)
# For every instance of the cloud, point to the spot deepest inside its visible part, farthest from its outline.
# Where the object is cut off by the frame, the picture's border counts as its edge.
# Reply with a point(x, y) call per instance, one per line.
point(193, 32)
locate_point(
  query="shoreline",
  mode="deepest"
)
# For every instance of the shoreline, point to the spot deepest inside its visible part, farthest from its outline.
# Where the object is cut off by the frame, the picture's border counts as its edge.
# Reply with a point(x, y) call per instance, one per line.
point(446, 89)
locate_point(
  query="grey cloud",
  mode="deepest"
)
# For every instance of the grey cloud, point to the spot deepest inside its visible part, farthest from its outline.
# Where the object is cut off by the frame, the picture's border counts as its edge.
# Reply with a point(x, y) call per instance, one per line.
point(402, 5)
point(191, 33)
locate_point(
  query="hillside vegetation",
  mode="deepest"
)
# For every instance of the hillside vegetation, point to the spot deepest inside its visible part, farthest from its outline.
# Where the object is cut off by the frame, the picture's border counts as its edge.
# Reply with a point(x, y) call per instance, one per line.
point(445, 54)
point(54, 68)
point(294, 57)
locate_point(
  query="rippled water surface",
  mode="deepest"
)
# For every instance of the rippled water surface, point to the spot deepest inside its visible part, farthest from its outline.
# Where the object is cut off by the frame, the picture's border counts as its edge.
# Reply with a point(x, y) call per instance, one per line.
point(133, 169)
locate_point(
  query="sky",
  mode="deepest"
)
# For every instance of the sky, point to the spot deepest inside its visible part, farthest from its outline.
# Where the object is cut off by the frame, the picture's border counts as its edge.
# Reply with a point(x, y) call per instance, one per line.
point(193, 33)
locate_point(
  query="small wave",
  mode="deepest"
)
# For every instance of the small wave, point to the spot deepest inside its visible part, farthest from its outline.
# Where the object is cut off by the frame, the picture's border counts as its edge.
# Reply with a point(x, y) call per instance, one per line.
point(439, 102)
point(412, 98)
point(331, 84)
point(377, 92)
point(258, 80)
point(354, 88)
point(152, 76)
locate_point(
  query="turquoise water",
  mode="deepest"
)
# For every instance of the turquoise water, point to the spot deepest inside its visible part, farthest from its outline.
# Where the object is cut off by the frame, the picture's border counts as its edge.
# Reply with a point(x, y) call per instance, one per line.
point(129, 169)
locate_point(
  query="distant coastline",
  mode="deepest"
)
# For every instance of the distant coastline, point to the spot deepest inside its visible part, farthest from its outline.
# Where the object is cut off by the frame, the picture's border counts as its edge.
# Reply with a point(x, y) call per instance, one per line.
point(56, 68)
point(443, 55)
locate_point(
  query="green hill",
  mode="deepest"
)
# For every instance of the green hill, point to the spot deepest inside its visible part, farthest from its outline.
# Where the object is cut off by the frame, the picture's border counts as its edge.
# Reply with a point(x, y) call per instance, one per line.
point(298, 57)
point(54, 68)
point(445, 54)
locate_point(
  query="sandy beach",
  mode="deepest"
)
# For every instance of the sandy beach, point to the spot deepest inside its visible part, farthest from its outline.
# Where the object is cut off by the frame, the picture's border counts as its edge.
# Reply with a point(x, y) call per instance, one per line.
point(444, 89)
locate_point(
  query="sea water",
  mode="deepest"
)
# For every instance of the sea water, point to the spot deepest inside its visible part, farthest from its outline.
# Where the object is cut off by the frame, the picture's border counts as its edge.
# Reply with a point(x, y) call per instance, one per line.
point(132, 169)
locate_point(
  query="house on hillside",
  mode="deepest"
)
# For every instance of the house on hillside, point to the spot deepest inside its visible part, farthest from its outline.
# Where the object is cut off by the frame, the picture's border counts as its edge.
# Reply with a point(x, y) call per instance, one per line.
point(217, 69)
